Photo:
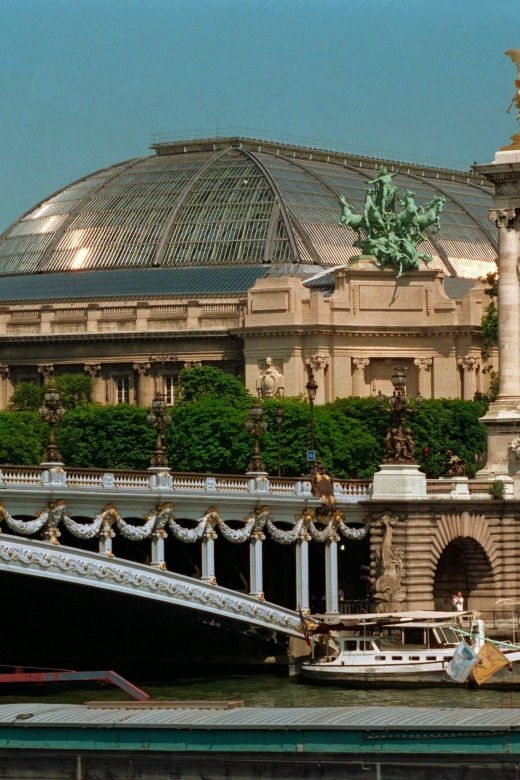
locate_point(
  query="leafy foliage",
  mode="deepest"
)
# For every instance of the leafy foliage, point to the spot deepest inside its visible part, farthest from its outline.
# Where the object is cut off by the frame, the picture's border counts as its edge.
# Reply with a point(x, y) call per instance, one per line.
point(112, 437)
point(23, 437)
point(194, 383)
point(75, 390)
point(207, 432)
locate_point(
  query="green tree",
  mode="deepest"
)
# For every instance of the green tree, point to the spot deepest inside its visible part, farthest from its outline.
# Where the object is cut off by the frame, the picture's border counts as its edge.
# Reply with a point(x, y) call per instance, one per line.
point(74, 389)
point(194, 383)
point(209, 435)
point(23, 437)
point(110, 437)
point(27, 396)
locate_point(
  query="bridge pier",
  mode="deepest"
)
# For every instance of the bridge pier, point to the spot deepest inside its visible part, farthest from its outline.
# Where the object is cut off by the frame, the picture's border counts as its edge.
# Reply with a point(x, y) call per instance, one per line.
point(256, 580)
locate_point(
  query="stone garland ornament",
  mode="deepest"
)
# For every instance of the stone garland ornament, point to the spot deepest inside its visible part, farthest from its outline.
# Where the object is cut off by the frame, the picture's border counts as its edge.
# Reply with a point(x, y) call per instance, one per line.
point(390, 236)
point(304, 527)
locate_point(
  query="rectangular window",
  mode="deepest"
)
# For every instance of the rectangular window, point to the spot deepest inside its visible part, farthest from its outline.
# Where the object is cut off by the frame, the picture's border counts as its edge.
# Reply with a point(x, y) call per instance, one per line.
point(122, 385)
point(169, 390)
point(397, 658)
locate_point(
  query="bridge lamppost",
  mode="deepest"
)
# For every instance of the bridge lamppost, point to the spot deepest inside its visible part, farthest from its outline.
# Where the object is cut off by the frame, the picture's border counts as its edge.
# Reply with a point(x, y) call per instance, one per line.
point(278, 416)
point(400, 446)
point(256, 426)
point(159, 418)
point(51, 411)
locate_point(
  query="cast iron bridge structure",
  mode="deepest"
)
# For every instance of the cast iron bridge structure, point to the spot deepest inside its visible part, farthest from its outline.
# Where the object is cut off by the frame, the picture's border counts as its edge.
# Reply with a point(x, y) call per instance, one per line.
point(196, 509)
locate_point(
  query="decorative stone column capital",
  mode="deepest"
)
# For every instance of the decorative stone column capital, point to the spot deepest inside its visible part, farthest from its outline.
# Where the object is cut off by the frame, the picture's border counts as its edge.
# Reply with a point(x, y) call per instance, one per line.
point(360, 363)
point(192, 364)
point(317, 362)
point(423, 364)
point(5, 372)
point(503, 217)
point(46, 370)
point(469, 363)
point(93, 370)
point(143, 369)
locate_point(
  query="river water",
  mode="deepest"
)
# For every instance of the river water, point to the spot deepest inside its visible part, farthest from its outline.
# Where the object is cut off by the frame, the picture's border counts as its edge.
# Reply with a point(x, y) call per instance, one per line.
point(267, 690)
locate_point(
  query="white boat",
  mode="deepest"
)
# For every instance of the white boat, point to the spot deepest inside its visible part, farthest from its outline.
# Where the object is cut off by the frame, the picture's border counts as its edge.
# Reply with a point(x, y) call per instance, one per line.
point(399, 648)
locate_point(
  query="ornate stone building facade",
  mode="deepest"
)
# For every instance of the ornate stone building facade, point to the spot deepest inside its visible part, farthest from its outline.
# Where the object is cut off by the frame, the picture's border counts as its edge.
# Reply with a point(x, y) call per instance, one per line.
point(228, 252)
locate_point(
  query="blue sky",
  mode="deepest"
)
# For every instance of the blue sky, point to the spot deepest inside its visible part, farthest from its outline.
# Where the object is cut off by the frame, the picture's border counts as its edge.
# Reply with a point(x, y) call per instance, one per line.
point(85, 83)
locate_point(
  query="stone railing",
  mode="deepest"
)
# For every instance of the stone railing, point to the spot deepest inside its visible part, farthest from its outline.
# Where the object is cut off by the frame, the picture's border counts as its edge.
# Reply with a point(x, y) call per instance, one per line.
point(462, 488)
point(177, 481)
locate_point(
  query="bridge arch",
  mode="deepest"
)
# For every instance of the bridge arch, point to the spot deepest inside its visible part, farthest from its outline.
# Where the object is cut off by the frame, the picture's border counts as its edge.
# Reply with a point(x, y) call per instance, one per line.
point(464, 558)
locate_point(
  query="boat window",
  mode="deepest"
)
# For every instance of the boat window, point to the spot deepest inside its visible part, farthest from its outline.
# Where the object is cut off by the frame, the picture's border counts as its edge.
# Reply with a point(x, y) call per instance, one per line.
point(397, 658)
point(380, 657)
point(414, 657)
point(451, 636)
point(413, 636)
point(436, 637)
point(351, 645)
point(431, 657)
point(365, 646)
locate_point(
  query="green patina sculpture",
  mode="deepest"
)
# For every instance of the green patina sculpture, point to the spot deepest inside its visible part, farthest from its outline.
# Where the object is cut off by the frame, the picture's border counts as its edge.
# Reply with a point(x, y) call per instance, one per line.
point(391, 236)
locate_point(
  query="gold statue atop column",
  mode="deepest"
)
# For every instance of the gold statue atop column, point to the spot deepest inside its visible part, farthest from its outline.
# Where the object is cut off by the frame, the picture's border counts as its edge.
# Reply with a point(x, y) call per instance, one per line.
point(515, 56)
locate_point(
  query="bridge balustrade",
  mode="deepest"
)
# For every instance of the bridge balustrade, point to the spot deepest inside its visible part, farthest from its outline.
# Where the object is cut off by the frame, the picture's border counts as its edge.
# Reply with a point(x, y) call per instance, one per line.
point(284, 508)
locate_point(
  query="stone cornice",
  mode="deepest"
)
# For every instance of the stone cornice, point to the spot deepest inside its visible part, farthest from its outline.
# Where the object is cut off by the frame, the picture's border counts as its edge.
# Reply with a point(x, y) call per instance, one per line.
point(403, 331)
point(85, 338)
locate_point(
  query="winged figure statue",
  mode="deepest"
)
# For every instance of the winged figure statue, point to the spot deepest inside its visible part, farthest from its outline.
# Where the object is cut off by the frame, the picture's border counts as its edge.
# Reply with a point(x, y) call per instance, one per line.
point(515, 56)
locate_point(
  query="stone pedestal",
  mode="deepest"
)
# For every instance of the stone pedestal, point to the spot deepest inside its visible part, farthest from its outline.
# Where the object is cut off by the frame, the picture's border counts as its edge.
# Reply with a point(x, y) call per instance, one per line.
point(399, 481)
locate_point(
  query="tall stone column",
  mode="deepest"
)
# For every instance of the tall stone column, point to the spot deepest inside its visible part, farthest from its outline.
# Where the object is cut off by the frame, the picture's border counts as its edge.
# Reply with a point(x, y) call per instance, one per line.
point(145, 384)
point(256, 585)
point(331, 576)
point(469, 365)
point(302, 572)
point(503, 417)
point(358, 385)
point(98, 389)
point(5, 386)
point(318, 364)
point(424, 365)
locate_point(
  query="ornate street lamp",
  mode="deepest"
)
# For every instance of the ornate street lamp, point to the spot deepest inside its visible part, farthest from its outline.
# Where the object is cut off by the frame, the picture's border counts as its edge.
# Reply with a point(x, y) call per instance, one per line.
point(256, 426)
point(400, 446)
point(278, 416)
point(51, 411)
point(159, 418)
point(311, 388)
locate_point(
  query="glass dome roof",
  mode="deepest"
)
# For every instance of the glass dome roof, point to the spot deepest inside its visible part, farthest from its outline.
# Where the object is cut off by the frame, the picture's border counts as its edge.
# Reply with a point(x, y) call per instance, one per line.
point(202, 204)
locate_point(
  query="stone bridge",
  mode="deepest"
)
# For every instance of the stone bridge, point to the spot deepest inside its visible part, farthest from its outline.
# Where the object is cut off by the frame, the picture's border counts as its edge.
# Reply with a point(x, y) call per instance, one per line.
point(452, 537)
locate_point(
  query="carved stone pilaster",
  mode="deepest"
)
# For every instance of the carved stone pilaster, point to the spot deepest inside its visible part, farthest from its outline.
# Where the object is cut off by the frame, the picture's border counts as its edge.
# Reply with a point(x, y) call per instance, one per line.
point(318, 364)
point(424, 365)
point(503, 218)
point(469, 365)
point(46, 370)
point(359, 375)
